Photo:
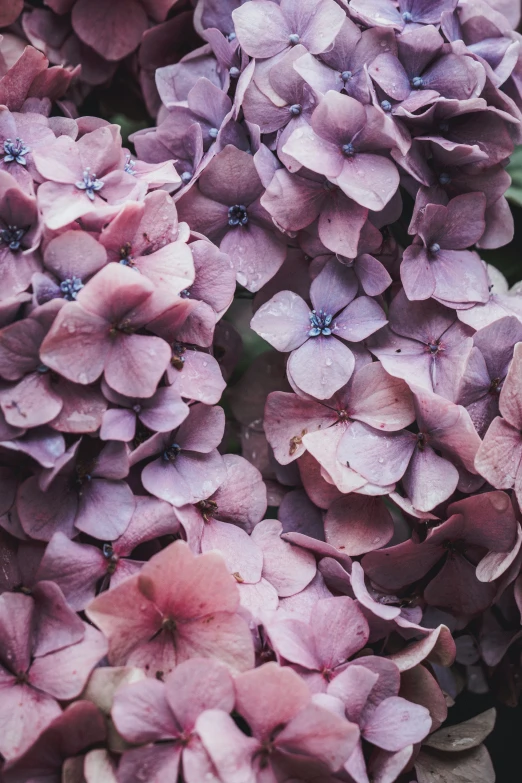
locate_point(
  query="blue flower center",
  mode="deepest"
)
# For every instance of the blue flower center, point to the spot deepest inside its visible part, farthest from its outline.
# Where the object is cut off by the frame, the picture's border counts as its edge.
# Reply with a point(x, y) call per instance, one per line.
point(234, 72)
point(444, 179)
point(90, 184)
point(407, 16)
point(12, 237)
point(346, 76)
point(417, 82)
point(185, 294)
point(237, 215)
point(213, 133)
point(320, 323)
point(296, 109)
point(386, 106)
point(171, 453)
point(348, 150)
point(186, 177)
point(129, 166)
point(294, 39)
point(435, 248)
point(15, 151)
point(70, 288)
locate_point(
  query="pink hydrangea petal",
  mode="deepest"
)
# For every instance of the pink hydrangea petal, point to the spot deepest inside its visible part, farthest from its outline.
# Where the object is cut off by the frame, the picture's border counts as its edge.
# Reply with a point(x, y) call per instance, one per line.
point(231, 751)
point(333, 364)
point(75, 568)
point(356, 524)
point(243, 558)
point(141, 713)
point(24, 714)
point(150, 763)
point(397, 723)
point(284, 321)
point(287, 568)
point(112, 35)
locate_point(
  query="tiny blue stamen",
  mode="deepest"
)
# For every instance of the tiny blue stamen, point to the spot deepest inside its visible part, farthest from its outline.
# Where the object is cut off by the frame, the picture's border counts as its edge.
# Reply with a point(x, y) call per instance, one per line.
point(171, 453)
point(346, 76)
point(234, 72)
point(320, 323)
point(15, 151)
point(129, 166)
point(213, 133)
point(12, 237)
point(294, 39)
point(296, 109)
point(186, 177)
point(417, 82)
point(444, 179)
point(231, 37)
point(42, 369)
point(185, 294)
point(70, 288)
point(435, 248)
point(90, 184)
point(407, 16)
point(237, 215)
point(386, 106)
point(348, 150)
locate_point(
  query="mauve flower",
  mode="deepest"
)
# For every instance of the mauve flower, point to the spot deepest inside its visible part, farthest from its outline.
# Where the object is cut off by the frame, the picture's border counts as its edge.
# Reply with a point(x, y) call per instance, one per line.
point(320, 363)
point(373, 397)
point(295, 201)
point(162, 412)
point(83, 491)
point(290, 735)
point(486, 370)
point(96, 334)
point(206, 104)
point(71, 258)
point(425, 344)
point(189, 468)
point(369, 692)
point(499, 457)
point(178, 607)
point(344, 142)
point(428, 478)
point(321, 648)
point(19, 233)
point(223, 520)
point(116, 31)
point(21, 135)
point(410, 12)
point(423, 66)
point(437, 264)
point(343, 66)
point(161, 718)
point(78, 569)
point(224, 205)
point(78, 727)
point(37, 671)
point(475, 526)
point(265, 28)
point(82, 175)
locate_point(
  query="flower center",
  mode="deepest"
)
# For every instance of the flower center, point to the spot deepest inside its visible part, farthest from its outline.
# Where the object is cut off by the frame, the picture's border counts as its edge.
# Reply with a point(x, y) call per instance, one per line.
point(234, 72)
point(348, 150)
point(186, 177)
point(15, 151)
point(213, 133)
point(294, 39)
point(422, 440)
point(208, 509)
point(346, 76)
point(434, 248)
point(178, 360)
point(320, 323)
point(444, 179)
point(70, 288)
point(496, 385)
point(386, 106)
point(110, 555)
point(417, 82)
point(185, 294)
point(433, 347)
point(12, 236)
point(168, 625)
point(171, 453)
point(90, 184)
point(296, 109)
point(407, 16)
point(129, 166)
point(237, 215)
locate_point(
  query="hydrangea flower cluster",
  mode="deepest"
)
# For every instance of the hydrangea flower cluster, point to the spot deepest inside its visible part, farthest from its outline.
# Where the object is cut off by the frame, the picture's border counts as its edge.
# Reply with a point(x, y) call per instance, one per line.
point(294, 584)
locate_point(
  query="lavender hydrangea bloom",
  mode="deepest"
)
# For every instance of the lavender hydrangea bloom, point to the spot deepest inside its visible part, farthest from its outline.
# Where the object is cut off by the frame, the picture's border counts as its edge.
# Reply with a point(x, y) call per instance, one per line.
point(319, 362)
